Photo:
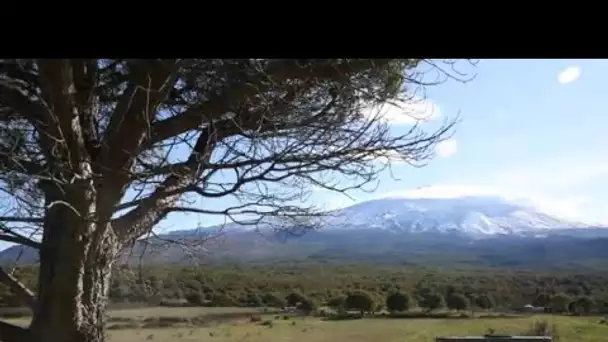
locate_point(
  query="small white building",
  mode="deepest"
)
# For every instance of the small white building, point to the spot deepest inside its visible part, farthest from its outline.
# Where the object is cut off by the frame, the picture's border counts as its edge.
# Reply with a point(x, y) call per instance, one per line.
point(532, 308)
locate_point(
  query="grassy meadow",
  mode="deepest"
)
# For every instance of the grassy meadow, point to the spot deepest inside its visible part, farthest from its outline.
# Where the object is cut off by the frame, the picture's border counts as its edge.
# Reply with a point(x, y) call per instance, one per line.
point(236, 324)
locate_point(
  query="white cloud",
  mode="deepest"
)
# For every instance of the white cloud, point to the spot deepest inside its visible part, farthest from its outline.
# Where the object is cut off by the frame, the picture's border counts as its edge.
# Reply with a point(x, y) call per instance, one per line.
point(447, 148)
point(566, 207)
point(568, 75)
point(445, 191)
point(405, 112)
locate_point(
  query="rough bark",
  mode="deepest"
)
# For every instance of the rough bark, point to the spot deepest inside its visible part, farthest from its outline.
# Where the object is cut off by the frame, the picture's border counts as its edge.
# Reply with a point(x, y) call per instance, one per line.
point(75, 265)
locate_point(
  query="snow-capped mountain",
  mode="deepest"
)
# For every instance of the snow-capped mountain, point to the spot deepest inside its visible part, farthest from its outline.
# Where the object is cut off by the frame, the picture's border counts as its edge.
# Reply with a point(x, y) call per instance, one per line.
point(466, 215)
point(470, 216)
point(487, 231)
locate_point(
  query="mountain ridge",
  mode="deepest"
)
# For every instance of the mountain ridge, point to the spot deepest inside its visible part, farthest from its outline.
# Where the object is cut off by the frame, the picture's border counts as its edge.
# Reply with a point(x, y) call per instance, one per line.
point(474, 230)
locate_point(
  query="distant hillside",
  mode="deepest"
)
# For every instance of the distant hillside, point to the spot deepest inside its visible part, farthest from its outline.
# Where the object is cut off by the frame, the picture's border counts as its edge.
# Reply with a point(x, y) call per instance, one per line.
point(482, 231)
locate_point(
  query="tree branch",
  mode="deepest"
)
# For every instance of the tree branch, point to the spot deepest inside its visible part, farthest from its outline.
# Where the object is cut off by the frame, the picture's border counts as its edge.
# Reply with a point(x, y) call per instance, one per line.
point(19, 239)
point(151, 210)
point(13, 163)
point(26, 295)
point(21, 219)
point(129, 123)
point(277, 71)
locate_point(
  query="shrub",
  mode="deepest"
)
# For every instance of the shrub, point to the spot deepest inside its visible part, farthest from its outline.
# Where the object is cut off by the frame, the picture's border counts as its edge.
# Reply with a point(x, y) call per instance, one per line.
point(397, 302)
point(359, 300)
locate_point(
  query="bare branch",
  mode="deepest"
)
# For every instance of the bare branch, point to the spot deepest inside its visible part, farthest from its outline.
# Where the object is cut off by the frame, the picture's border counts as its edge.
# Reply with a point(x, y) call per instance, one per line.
point(21, 219)
point(26, 295)
point(22, 240)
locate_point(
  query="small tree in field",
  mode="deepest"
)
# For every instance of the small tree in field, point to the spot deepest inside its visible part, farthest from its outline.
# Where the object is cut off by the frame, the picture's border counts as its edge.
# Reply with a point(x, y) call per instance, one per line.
point(584, 304)
point(484, 302)
point(361, 301)
point(398, 302)
point(308, 305)
point(294, 298)
point(94, 153)
point(559, 302)
point(431, 301)
point(273, 300)
point(337, 303)
point(457, 301)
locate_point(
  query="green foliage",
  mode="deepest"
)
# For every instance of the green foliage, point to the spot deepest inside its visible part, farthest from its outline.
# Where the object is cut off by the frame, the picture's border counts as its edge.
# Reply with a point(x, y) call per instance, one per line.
point(457, 301)
point(273, 300)
point(361, 301)
point(484, 301)
point(294, 298)
point(288, 284)
point(559, 302)
point(398, 301)
point(195, 298)
point(307, 305)
point(431, 301)
point(221, 300)
point(583, 304)
point(336, 303)
point(253, 300)
point(542, 299)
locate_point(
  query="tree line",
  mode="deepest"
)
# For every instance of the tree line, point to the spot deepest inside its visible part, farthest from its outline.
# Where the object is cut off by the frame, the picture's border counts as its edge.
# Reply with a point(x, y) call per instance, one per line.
point(350, 287)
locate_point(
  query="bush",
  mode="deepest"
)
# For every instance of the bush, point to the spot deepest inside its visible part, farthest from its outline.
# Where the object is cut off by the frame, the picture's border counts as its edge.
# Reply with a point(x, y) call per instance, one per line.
point(195, 298)
point(307, 306)
point(336, 303)
point(583, 304)
point(359, 300)
point(221, 300)
point(431, 301)
point(457, 301)
point(559, 303)
point(273, 300)
point(484, 301)
point(294, 298)
point(398, 302)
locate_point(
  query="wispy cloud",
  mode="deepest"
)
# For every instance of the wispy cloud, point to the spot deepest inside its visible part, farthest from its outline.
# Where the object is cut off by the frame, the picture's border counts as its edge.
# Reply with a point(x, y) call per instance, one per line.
point(569, 75)
point(556, 187)
point(566, 207)
point(447, 148)
point(405, 112)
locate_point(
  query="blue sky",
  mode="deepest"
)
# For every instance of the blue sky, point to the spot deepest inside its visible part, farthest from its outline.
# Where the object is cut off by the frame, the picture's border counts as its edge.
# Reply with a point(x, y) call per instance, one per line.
point(531, 130)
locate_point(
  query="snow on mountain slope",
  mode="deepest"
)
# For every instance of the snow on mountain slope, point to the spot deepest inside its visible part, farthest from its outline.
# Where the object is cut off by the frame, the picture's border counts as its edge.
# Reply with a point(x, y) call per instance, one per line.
point(473, 216)
point(468, 215)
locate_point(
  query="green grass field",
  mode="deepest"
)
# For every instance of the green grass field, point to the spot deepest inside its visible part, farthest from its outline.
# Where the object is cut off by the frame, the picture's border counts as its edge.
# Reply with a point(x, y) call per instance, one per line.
point(234, 324)
point(569, 329)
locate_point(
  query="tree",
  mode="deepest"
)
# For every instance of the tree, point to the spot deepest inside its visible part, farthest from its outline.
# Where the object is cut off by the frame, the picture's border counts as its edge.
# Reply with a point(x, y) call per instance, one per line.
point(361, 301)
point(484, 301)
point(584, 304)
point(336, 303)
point(294, 298)
point(195, 298)
point(273, 300)
point(559, 302)
point(253, 300)
point(307, 306)
point(542, 299)
point(94, 153)
point(431, 301)
point(457, 301)
point(398, 302)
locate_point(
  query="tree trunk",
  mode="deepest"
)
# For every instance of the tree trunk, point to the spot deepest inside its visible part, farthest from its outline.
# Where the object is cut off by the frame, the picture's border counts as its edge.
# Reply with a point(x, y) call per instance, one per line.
point(75, 265)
